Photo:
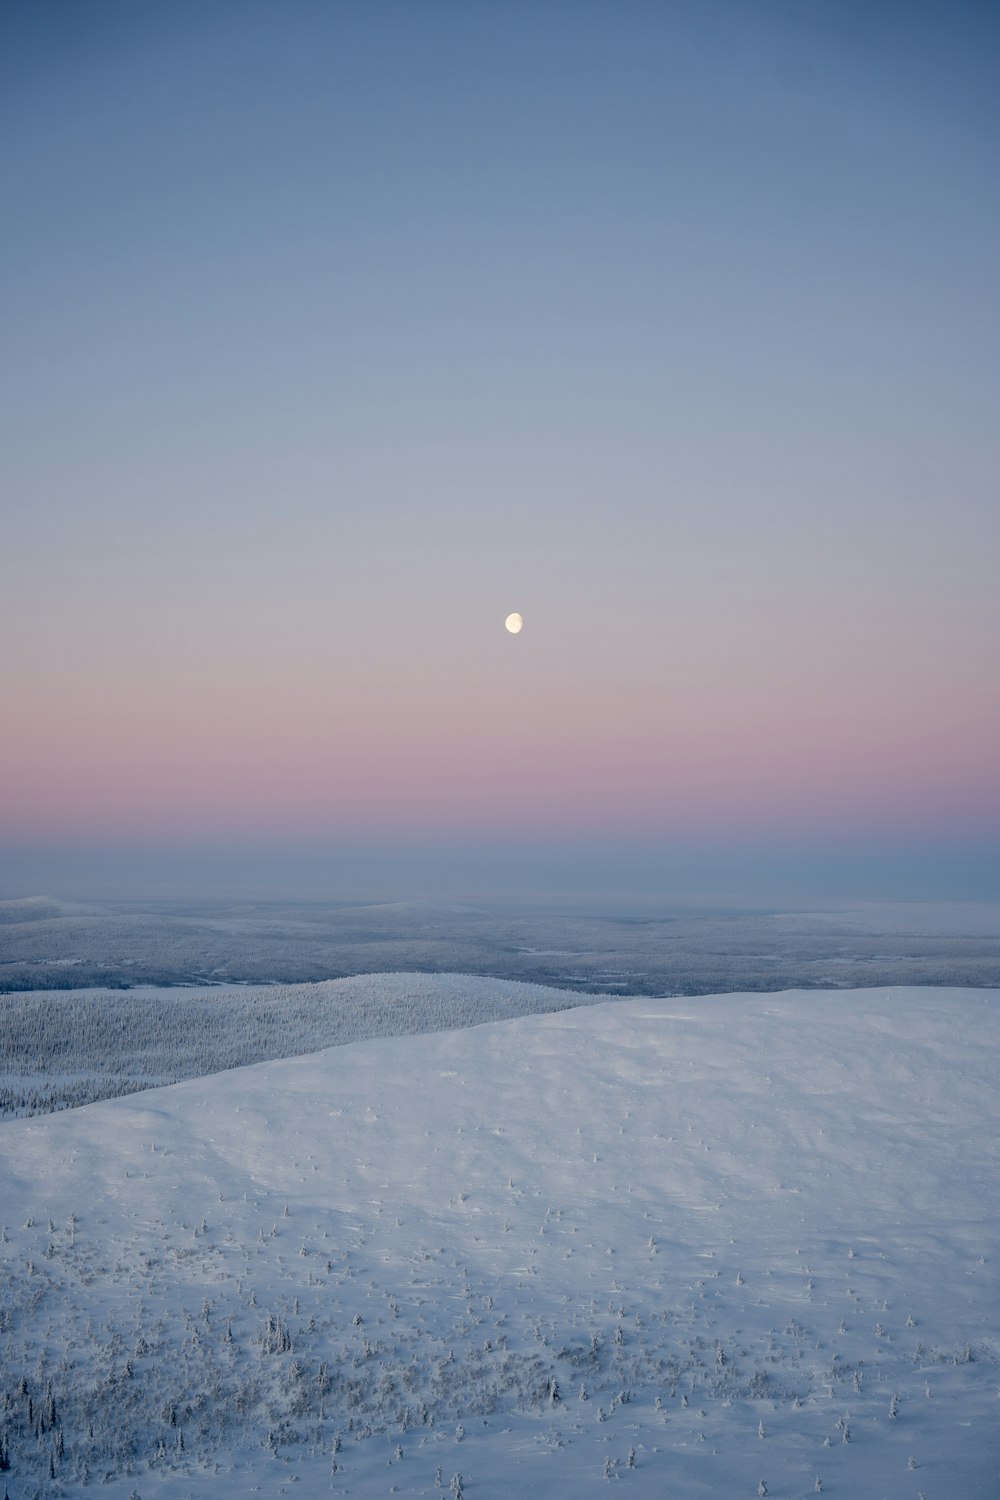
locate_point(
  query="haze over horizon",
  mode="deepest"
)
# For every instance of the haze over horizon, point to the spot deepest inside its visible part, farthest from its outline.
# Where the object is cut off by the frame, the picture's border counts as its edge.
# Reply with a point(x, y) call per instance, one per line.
point(333, 335)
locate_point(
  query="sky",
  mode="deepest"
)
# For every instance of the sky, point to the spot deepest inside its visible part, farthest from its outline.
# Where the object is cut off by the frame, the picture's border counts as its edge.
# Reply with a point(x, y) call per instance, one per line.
point(333, 333)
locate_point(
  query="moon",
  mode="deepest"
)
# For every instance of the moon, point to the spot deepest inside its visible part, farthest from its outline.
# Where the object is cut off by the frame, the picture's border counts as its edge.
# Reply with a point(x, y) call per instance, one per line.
point(514, 623)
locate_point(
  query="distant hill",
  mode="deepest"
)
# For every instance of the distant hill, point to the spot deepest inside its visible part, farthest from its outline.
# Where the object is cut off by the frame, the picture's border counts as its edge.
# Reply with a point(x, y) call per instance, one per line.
point(65, 1048)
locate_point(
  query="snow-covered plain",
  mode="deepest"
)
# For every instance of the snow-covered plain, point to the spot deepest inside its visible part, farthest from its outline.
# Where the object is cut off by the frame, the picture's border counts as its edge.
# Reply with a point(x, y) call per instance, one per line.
point(701, 1247)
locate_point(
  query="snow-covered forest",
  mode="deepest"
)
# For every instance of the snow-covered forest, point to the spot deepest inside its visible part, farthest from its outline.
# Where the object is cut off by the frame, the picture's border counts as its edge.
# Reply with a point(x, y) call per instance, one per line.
point(717, 1247)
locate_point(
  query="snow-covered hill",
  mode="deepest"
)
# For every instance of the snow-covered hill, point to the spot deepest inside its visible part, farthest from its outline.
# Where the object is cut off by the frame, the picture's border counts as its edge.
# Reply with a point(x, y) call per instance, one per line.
point(63, 1048)
point(696, 1248)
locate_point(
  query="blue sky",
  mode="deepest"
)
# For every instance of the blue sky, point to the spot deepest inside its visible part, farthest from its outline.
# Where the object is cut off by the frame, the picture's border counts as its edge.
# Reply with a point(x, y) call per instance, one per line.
point(335, 332)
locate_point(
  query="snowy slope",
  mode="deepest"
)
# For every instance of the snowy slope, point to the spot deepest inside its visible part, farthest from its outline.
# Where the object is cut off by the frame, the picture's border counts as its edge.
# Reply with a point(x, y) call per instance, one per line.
point(64, 1048)
point(727, 1231)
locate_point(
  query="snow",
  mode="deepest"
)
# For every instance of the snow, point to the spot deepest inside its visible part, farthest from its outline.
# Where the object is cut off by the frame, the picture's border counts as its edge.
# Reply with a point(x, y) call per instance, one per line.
point(721, 1216)
point(122, 1041)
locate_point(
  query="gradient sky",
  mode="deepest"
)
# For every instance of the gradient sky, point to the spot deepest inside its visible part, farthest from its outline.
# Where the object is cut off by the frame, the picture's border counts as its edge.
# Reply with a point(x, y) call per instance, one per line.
point(334, 332)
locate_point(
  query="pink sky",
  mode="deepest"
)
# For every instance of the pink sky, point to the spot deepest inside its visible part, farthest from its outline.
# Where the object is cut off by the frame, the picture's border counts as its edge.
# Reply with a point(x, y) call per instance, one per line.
point(681, 721)
point(675, 332)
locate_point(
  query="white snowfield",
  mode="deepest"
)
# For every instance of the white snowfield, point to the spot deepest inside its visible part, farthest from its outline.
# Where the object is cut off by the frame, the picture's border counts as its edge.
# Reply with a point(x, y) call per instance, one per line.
point(725, 1246)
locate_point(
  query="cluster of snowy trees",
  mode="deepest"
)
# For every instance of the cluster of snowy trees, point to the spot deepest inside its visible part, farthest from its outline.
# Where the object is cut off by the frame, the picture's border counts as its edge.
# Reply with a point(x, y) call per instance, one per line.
point(334, 1359)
